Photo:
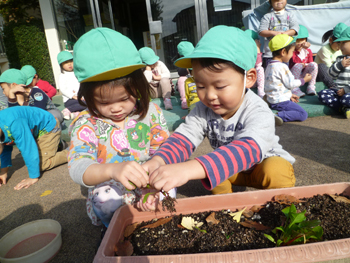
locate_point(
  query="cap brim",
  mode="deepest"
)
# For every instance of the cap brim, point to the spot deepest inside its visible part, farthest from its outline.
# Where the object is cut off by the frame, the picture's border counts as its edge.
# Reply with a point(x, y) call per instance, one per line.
point(151, 62)
point(114, 73)
point(29, 81)
point(185, 62)
point(342, 39)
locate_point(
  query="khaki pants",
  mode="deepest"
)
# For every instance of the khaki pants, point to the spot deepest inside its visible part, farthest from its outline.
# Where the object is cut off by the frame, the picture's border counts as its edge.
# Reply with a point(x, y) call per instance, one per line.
point(47, 145)
point(273, 172)
point(163, 90)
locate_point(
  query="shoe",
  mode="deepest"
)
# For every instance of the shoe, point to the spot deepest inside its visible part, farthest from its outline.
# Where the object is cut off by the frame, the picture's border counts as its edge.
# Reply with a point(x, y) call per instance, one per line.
point(346, 112)
point(62, 145)
point(66, 114)
point(278, 120)
point(167, 104)
point(298, 92)
point(184, 105)
point(73, 115)
point(311, 90)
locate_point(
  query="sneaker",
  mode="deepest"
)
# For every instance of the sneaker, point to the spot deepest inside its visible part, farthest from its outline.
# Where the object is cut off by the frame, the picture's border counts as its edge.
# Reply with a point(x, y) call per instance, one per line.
point(66, 114)
point(278, 120)
point(167, 104)
point(62, 145)
point(346, 112)
point(73, 115)
point(298, 92)
point(311, 90)
point(184, 105)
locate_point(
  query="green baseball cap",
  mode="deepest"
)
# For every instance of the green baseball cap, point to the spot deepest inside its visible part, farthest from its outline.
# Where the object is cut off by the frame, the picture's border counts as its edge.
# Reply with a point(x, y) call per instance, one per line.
point(148, 56)
point(104, 54)
point(254, 35)
point(280, 41)
point(30, 72)
point(345, 35)
point(224, 42)
point(64, 56)
point(184, 48)
point(13, 76)
point(338, 29)
point(303, 33)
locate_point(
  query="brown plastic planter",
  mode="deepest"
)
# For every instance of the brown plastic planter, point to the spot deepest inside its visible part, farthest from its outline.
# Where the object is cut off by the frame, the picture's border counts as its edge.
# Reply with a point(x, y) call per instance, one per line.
point(314, 252)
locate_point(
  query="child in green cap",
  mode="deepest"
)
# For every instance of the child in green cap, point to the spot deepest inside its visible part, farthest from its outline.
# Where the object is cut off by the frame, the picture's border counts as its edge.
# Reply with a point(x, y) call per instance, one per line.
point(338, 97)
point(120, 129)
point(157, 75)
point(302, 62)
point(238, 123)
point(279, 81)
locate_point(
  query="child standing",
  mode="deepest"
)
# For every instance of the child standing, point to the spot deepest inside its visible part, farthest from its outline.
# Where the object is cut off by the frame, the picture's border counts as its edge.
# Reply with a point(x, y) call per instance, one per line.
point(239, 125)
point(302, 63)
point(278, 21)
point(338, 97)
point(33, 80)
point(36, 134)
point(120, 129)
point(157, 75)
point(280, 81)
point(69, 86)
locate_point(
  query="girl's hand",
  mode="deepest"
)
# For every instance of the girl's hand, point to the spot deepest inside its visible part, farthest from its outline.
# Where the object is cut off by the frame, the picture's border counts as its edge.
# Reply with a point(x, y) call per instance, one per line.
point(148, 68)
point(157, 78)
point(294, 98)
point(152, 200)
point(340, 92)
point(306, 45)
point(153, 164)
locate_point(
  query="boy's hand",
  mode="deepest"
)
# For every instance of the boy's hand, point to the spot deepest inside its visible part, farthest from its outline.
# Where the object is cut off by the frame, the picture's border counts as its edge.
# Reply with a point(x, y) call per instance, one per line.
point(153, 164)
point(346, 62)
point(340, 92)
point(306, 45)
point(152, 200)
point(16, 88)
point(307, 77)
point(3, 175)
point(25, 183)
point(294, 98)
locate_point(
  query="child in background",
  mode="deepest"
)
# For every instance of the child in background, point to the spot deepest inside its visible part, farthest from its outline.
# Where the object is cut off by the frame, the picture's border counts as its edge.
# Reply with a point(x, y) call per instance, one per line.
point(258, 64)
point(239, 125)
point(278, 21)
point(69, 86)
point(280, 81)
point(338, 97)
point(184, 48)
point(120, 129)
point(302, 63)
point(157, 75)
point(33, 80)
point(40, 153)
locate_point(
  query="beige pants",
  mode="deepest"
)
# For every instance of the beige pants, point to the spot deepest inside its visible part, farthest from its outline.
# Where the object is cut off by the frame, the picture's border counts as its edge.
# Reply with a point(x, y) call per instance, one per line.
point(47, 145)
point(273, 172)
point(163, 90)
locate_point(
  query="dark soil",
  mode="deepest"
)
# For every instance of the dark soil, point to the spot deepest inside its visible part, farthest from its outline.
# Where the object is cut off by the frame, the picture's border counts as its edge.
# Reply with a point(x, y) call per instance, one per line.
point(228, 235)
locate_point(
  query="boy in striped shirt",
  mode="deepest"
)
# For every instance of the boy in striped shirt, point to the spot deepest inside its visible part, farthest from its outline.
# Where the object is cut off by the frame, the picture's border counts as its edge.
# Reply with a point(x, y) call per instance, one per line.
point(239, 125)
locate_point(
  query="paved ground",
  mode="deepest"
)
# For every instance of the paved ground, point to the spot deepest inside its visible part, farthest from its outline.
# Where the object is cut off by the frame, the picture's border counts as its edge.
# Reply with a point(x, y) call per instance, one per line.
point(320, 146)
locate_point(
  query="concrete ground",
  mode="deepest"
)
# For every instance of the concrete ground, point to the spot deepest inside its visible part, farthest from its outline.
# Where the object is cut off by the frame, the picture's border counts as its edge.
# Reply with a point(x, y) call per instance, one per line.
point(321, 146)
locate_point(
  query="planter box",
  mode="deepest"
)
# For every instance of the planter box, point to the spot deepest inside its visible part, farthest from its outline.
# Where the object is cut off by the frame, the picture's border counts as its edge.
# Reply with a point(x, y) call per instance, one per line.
point(313, 252)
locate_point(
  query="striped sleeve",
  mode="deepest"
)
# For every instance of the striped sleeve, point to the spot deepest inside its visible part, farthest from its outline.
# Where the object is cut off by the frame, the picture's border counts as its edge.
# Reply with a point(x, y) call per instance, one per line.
point(228, 160)
point(176, 149)
point(335, 69)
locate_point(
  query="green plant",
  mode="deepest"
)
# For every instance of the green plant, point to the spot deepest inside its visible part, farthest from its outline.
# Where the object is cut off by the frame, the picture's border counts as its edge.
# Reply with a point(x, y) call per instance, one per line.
point(296, 229)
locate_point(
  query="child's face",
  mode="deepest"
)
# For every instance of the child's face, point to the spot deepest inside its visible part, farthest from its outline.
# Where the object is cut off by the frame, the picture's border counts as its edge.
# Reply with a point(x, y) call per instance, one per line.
point(219, 91)
point(278, 5)
point(153, 65)
point(345, 48)
point(286, 56)
point(334, 45)
point(5, 88)
point(67, 65)
point(299, 43)
point(34, 81)
point(115, 104)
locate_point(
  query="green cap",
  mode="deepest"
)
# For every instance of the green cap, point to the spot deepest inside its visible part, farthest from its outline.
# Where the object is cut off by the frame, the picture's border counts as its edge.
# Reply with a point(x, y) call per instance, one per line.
point(224, 42)
point(280, 41)
point(148, 56)
point(64, 56)
point(184, 48)
point(303, 33)
point(104, 54)
point(30, 72)
point(252, 34)
point(13, 76)
point(345, 35)
point(338, 29)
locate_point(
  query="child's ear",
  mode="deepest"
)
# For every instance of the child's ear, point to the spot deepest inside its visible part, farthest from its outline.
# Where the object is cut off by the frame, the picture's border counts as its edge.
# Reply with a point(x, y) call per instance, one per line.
point(251, 77)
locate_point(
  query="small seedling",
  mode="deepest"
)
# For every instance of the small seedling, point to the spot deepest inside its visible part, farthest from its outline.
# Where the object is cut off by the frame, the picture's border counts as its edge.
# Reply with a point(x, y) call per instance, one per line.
point(296, 229)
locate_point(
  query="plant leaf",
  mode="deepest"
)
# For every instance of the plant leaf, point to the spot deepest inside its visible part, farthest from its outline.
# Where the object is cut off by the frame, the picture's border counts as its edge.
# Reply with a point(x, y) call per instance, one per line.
point(279, 242)
point(237, 215)
point(202, 230)
point(159, 222)
point(270, 238)
point(146, 196)
point(211, 219)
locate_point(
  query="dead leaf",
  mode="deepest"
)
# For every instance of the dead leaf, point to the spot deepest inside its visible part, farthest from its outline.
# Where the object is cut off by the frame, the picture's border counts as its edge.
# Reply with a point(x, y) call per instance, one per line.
point(256, 208)
point(130, 229)
point(159, 222)
point(286, 199)
point(189, 223)
point(340, 199)
point(47, 192)
point(237, 215)
point(124, 248)
point(253, 224)
point(248, 213)
point(211, 219)
point(180, 226)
